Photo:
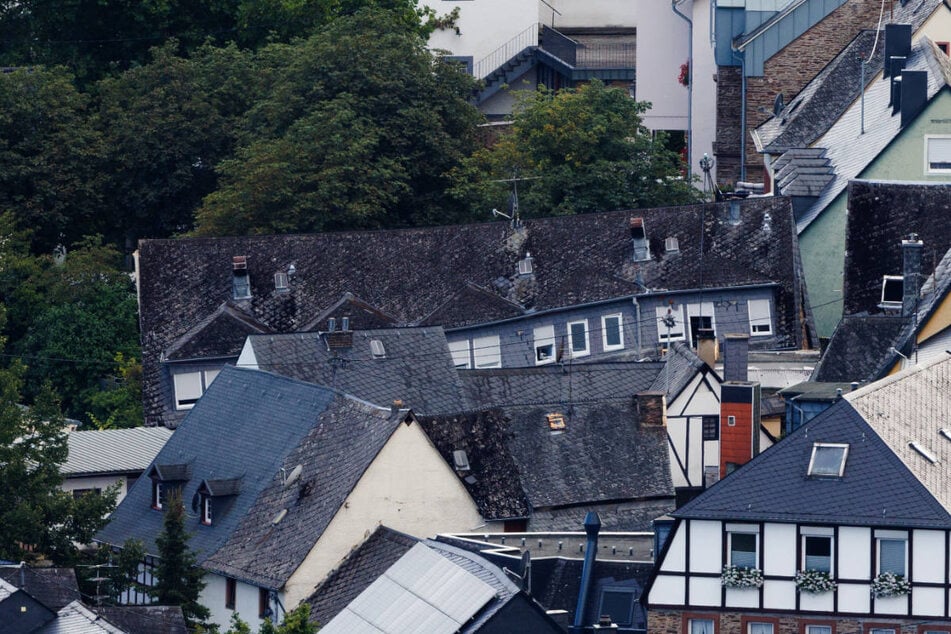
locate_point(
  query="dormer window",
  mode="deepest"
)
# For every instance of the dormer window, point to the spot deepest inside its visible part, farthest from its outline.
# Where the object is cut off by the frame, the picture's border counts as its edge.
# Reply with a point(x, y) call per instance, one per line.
point(166, 480)
point(241, 283)
point(189, 386)
point(639, 241)
point(206, 510)
point(544, 338)
point(212, 495)
point(828, 460)
point(892, 291)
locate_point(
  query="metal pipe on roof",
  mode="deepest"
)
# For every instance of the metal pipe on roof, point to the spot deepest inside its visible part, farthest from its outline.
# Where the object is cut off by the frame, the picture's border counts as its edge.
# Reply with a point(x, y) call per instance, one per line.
point(592, 526)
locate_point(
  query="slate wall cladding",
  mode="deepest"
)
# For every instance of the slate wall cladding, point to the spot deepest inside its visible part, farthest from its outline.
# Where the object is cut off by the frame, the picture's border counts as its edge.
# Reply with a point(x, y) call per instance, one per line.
point(788, 72)
point(674, 622)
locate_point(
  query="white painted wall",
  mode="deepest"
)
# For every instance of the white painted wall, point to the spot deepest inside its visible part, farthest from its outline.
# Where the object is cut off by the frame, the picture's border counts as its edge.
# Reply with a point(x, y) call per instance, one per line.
point(245, 605)
point(703, 95)
point(97, 482)
point(705, 551)
point(483, 26)
point(661, 49)
point(697, 399)
point(409, 488)
point(247, 359)
point(779, 549)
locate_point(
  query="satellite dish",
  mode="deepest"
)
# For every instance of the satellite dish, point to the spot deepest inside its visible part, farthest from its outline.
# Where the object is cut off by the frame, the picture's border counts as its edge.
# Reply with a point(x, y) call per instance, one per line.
point(294, 475)
point(778, 105)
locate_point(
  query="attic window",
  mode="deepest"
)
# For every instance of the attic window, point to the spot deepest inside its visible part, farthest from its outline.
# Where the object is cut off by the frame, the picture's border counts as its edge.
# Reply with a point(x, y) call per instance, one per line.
point(332, 324)
point(460, 459)
point(828, 460)
point(925, 453)
point(280, 281)
point(377, 349)
point(938, 154)
point(241, 283)
point(345, 323)
point(892, 291)
point(672, 245)
point(206, 510)
point(525, 265)
point(556, 421)
point(642, 250)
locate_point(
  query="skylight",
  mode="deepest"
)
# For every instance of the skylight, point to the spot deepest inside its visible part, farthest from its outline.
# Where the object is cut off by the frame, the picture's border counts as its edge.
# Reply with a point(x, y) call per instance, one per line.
point(828, 460)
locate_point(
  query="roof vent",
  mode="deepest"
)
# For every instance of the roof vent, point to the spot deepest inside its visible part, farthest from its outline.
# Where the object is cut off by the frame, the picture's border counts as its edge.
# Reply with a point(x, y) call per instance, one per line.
point(280, 282)
point(241, 283)
point(461, 460)
point(280, 515)
point(556, 422)
point(734, 217)
point(525, 265)
point(927, 455)
point(293, 476)
point(332, 324)
point(672, 245)
point(642, 250)
point(377, 349)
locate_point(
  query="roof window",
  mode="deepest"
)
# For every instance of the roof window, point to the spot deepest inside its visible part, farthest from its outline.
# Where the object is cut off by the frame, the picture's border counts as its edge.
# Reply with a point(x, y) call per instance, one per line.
point(525, 264)
point(556, 422)
point(377, 349)
point(828, 460)
point(460, 459)
point(642, 250)
point(892, 291)
point(280, 282)
point(672, 245)
point(241, 283)
point(944, 431)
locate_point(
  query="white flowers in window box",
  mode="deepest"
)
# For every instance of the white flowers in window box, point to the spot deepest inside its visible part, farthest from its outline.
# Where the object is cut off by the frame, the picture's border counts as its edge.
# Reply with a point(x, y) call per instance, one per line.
point(888, 584)
point(814, 581)
point(737, 577)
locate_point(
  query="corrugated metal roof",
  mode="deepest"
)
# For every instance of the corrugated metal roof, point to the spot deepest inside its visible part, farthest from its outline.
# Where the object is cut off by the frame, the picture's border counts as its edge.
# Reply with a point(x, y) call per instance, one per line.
point(422, 592)
point(77, 619)
point(113, 450)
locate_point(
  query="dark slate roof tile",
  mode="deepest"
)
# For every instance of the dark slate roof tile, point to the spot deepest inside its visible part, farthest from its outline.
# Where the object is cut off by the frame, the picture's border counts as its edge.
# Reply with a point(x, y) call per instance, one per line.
point(145, 619)
point(775, 486)
point(354, 574)
point(414, 274)
point(680, 366)
point(53, 587)
point(858, 348)
point(220, 335)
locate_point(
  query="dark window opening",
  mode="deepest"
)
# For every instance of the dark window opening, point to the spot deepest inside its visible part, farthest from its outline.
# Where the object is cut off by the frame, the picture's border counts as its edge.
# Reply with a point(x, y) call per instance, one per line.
point(619, 605)
point(264, 603)
point(231, 590)
point(711, 427)
point(698, 322)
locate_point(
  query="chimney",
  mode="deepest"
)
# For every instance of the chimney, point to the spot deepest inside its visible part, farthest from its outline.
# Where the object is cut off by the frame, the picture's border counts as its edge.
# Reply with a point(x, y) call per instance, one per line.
point(592, 526)
point(740, 421)
point(914, 94)
point(896, 64)
point(736, 357)
point(707, 346)
point(897, 43)
point(911, 274)
point(652, 409)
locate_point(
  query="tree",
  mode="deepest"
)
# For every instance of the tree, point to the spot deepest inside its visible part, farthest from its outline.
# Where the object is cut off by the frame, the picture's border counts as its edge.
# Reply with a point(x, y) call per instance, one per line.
point(579, 150)
point(359, 128)
point(297, 621)
point(179, 579)
point(37, 518)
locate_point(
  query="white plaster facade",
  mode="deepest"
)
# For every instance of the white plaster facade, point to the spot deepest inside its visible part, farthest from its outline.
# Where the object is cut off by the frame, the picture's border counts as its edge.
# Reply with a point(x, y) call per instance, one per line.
point(408, 487)
point(98, 483)
point(688, 576)
point(689, 453)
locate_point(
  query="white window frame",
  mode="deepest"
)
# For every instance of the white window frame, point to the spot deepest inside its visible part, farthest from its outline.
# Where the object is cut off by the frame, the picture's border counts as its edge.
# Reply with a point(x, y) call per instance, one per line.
point(206, 510)
point(571, 339)
point(812, 459)
point(709, 626)
point(750, 624)
point(879, 539)
point(461, 352)
point(743, 530)
point(818, 629)
point(815, 534)
point(157, 494)
point(604, 332)
point(678, 332)
point(487, 352)
point(759, 310)
point(946, 138)
point(891, 303)
point(695, 310)
point(543, 344)
point(204, 379)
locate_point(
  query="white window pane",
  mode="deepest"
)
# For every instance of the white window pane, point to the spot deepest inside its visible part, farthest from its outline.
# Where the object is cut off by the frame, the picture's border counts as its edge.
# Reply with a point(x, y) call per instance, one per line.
point(187, 389)
point(611, 333)
point(544, 341)
point(760, 628)
point(760, 321)
point(460, 353)
point(891, 556)
point(670, 323)
point(487, 352)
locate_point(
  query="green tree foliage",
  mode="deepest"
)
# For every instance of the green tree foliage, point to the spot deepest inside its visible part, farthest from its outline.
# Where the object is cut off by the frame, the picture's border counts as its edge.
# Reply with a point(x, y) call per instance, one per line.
point(37, 519)
point(179, 579)
point(360, 125)
point(583, 149)
point(50, 156)
point(118, 406)
point(295, 622)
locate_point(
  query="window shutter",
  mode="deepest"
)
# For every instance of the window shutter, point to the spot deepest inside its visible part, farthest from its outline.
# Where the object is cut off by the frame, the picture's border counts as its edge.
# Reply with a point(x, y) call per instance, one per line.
point(891, 556)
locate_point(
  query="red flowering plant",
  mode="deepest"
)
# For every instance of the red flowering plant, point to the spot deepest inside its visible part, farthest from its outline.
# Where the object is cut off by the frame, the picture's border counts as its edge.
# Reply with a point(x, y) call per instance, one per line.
point(684, 77)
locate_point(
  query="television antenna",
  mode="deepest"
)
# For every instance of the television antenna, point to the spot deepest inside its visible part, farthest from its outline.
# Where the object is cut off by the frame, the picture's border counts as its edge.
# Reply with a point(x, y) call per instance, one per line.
point(513, 214)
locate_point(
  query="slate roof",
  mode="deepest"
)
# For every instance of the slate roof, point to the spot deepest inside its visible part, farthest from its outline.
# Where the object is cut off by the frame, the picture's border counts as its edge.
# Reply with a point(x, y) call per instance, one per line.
point(53, 587)
point(880, 215)
point(145, 619)
point(851, 151)
point(113, 450)
point(220, 335)
point(680, 366)
point(603, 455)
point(416, 368)
point(858, 348)
point(774, 486)
point(413, 275)
point(361, 567)
point(76, 618)
point(251, 425)
point(492, 478)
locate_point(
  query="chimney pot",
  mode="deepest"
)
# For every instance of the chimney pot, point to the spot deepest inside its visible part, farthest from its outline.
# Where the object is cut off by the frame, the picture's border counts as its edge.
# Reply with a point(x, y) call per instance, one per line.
point(707, 346)
point(911, 272)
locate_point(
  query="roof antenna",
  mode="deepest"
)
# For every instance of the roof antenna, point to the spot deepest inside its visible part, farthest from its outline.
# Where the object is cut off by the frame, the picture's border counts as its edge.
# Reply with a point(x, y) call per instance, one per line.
point(513, 214)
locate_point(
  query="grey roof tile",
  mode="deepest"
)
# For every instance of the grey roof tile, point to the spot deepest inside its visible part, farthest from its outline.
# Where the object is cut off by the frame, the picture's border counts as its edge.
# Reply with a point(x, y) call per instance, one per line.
point(113, 450)
point(858, 348)
point(145, 619)
point(53, 587)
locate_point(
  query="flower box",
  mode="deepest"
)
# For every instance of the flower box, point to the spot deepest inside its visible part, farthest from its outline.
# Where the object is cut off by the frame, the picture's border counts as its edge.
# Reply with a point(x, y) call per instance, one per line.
point(737, 577)
point(888, 584)
point(814, 581)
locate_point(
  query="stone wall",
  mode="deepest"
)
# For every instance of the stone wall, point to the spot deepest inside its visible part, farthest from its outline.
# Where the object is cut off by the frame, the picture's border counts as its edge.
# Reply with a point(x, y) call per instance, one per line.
point(787, 72)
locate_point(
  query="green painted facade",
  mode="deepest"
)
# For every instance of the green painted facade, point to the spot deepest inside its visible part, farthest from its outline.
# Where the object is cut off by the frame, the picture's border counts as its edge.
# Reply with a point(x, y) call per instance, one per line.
point(822, 244)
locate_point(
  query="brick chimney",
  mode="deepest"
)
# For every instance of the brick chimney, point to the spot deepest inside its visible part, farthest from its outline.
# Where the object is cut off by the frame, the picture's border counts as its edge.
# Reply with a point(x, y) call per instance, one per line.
point(707, 346)
point(736, 357)
point(652, 409)
point(911, 274)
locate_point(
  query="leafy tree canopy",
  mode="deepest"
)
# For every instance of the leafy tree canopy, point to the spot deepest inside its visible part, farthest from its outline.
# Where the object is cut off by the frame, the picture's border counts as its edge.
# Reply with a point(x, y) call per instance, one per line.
point(37, 519)
point(359, 128)
point(579, 150)
point(295, 622)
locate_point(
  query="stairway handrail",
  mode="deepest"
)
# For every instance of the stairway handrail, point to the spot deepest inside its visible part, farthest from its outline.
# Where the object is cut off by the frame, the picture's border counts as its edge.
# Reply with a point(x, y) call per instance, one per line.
point(525, 39)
